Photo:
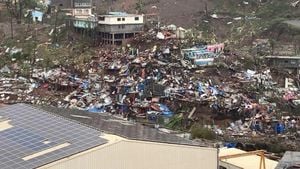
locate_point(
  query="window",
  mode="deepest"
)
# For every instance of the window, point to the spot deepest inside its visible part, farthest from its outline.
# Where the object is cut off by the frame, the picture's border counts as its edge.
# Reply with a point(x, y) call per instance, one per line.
point(101, 18)
point(119, 19)
point(121, 26)
point(136, 18)
point(79, 11)
point(123, 19)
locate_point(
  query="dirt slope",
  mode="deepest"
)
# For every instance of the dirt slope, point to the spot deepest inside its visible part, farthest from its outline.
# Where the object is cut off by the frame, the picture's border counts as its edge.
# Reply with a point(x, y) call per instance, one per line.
point(178, 12)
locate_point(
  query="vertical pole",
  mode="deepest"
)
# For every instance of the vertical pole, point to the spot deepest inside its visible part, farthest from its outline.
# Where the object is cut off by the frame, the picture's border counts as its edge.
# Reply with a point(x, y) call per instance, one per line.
point(10, 10)
point(34, 52)
point(11, 25)
point(20, 11)
point(55, 25)
point(260, 162)
point(264, 160)
point(16, 9)
point(218, 152)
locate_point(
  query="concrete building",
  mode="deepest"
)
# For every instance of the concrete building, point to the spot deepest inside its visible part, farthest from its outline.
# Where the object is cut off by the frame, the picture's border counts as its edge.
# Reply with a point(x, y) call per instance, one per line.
point(32, 137)
point(116, 27)
point(82, 17)
point(112, 29)
point(82, 8)
point(286, 62)
point(290, 160)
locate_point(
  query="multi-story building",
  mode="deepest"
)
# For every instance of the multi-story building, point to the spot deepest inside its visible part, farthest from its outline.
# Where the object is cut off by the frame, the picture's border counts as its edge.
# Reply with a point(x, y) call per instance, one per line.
point(82, 8)
point(112, 29)
point(83, 17)
point(116, 27)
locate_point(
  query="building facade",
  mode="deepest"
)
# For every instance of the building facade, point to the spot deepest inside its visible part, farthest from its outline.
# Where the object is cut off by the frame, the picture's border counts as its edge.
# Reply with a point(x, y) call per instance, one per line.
point(82, 8)
point(285, 62)
point(116, 27)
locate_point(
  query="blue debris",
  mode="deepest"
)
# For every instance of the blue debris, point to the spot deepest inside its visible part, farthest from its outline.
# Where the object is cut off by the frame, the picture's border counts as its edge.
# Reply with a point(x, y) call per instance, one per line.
point(165, 110)
point(94, 109)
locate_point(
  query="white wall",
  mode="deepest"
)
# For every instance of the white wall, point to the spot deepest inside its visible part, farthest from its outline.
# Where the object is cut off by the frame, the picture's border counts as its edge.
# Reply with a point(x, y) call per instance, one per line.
point(113, 20)
point(142, 155)
point(82, 12)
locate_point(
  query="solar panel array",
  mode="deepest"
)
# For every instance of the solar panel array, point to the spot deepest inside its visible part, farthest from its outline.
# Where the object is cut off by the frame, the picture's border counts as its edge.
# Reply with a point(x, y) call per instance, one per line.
point(31, 128)
point(109, 124)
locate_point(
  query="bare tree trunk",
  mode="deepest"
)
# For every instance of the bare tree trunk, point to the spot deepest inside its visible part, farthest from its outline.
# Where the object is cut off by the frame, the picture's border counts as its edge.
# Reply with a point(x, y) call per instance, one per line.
point(10, 10)
point(20, 11)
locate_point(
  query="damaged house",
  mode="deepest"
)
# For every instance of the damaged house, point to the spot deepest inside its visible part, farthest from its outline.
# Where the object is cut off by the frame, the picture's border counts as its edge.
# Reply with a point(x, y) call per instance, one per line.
point(284, 62)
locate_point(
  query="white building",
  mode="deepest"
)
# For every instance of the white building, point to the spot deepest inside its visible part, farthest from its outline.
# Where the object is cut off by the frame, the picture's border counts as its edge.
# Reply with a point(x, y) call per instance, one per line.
point(117, 18)
point(82, 8)
point(116, 27)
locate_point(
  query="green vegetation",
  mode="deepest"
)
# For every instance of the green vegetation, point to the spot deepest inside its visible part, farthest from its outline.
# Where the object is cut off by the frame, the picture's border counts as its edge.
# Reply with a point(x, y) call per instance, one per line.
point(139, 6)
point(175, 122)
point(198, 131)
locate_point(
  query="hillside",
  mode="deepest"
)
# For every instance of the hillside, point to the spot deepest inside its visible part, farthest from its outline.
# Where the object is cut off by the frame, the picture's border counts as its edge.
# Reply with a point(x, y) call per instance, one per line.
point(235, 18)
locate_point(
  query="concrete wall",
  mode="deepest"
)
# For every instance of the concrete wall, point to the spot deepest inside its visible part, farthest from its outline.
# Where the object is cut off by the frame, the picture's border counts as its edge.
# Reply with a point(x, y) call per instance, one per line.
point(82, 3)
point(120, 28)
point(84, 24)
point(116, 20)
point(285, 63)
point(82, 12)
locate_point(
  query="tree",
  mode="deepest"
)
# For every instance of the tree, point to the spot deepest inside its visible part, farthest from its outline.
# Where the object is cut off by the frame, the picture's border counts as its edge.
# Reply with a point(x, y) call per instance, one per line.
point(139, 6)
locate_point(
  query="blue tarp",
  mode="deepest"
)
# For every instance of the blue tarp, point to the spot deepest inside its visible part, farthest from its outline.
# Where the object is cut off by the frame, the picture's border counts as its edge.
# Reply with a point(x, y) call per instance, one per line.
point(214, 90)
point(165, 110)
point(95, 109)
point(200, 88)
point(141, 87)
point(279, 128)
point(230, 145)
point(85, 85)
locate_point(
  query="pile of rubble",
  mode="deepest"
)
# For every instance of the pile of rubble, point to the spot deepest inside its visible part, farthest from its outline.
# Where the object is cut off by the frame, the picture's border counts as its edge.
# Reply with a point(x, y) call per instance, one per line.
point(145, 84)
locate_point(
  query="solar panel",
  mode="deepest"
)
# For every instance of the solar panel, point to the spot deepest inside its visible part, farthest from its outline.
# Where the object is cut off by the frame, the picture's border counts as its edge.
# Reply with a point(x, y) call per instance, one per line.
point(35, 130)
